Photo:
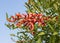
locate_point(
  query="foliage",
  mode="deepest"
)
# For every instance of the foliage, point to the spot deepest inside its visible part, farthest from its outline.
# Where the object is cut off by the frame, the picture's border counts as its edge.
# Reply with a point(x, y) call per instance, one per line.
point(41, 24)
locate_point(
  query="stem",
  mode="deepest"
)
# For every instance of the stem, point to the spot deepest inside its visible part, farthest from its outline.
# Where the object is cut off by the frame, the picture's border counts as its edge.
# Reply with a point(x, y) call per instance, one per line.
point(52, 39)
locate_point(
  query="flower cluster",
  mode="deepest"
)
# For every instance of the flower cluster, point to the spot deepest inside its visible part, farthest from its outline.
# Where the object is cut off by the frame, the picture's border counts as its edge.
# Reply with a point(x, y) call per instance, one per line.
point(28, 20)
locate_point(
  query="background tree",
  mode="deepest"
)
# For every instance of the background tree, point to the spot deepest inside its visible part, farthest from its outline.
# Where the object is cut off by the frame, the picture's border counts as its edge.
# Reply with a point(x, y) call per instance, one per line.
point(47, 31)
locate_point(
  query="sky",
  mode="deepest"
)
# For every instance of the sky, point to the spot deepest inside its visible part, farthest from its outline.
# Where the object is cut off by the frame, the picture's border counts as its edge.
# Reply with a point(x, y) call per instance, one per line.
point(11, 7)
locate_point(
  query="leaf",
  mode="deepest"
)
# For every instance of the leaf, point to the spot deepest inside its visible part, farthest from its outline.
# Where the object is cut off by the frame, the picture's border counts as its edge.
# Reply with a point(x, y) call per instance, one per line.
point(8, 25)
point(54, 19)
point(36, 26)
point(13, 27)
point(39, 41)
point(41, 33)
point(51, 27)
point(55, 33)
point(6, 15)
point(56, 7)
point(12, 34)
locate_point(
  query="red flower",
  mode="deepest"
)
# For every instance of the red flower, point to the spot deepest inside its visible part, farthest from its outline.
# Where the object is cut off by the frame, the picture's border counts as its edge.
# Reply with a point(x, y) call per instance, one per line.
point(28, 20)
point(33, 33)
point(31, 26)
point(12, 19)
point(18, 16)
point(39, 24)
point(30, 15)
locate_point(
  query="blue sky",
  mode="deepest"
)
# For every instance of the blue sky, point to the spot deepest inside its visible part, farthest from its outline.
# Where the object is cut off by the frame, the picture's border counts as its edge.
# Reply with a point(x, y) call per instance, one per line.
point(11, 7)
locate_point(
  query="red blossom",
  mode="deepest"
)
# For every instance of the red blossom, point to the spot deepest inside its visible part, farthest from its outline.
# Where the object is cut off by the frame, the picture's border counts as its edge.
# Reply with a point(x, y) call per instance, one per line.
point(28, 20)
point(33, 33)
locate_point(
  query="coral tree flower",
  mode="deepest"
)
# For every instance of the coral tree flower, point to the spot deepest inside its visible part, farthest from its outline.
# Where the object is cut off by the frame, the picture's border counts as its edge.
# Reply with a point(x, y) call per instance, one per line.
point(28, 20)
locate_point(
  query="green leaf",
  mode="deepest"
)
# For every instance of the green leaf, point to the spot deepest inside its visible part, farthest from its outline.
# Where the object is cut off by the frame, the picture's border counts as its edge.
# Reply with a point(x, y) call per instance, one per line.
point(51, 27)
point(36, 26)
point(54, 19)
point(8, 25)
point(41, 33)
point(56, 7)
point(6, 15)
point(39, 41)
point(12, 34)
point(55, 33)
point(13, 26)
